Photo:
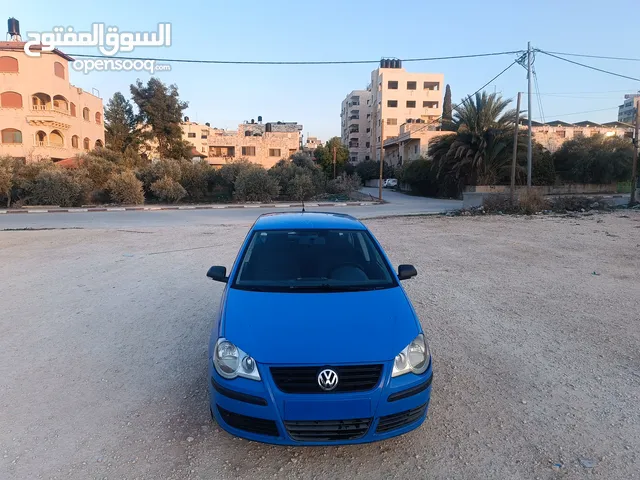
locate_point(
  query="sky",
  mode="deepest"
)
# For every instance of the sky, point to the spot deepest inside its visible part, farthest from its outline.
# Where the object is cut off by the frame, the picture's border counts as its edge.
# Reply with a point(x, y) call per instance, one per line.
point(283, 30)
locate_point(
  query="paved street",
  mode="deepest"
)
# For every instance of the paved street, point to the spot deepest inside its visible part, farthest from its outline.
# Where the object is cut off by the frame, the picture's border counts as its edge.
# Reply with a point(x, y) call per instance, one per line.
point(399, 204)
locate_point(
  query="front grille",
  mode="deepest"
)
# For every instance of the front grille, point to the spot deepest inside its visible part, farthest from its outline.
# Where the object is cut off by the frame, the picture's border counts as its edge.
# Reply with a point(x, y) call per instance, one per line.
point(328, 430)
point(249, 424)
point(399, 420)
point(351, 378)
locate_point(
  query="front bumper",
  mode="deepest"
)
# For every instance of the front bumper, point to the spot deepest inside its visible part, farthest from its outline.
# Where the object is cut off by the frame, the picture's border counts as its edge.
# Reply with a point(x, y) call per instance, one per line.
point(259, 411)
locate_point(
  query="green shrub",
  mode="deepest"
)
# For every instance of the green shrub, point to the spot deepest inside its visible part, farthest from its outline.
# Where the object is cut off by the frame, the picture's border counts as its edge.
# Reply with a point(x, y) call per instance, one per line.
point(230, 171)
point(543, 171)
point(344, 184)
point(60, 187)
point(370, 170)
point(195, 179)
point(255, 185)
point(311, 178)
point(7, 165)
point(168, 189)
point(571, 203)
point(301, 187)
point(159, 170)
point(125, 188)
point(420, 176)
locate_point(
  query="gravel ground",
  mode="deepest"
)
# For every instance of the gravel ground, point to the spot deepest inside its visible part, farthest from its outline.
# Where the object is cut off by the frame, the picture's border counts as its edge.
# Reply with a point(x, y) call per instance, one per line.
point(534, 325)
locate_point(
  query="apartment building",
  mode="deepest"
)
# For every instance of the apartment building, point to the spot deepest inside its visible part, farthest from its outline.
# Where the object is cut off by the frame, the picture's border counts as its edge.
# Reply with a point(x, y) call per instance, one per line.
point(627, 111)
point(43, 116)
point(355, 118)
point(265, 144)
point(551, 135)
point(311, 144)
point(399, 97)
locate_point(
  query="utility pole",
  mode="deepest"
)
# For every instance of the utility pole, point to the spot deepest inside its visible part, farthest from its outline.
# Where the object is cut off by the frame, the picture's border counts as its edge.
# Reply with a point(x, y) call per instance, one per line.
point(515, 150)
point(381, 156)
point(529, 142)
point(334, 162)
point(634, 165)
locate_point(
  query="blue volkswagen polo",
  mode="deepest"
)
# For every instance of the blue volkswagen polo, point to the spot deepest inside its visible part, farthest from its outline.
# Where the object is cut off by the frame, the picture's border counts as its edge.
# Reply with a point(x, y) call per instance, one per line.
point(315, 341)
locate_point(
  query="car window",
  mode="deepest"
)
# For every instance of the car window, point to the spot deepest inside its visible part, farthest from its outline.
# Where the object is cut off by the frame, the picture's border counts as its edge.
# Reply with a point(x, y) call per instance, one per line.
point(306, 260)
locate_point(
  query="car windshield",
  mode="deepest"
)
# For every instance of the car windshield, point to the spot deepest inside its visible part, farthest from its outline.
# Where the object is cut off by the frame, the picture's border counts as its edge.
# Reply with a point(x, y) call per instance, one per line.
point(313, 260)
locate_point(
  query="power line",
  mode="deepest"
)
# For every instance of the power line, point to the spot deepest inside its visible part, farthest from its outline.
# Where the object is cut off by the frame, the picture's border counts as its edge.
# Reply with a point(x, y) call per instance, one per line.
point(535, 79)
point(590, 67)
point(601, 91)
point(303, 62)
point(604, 57)
point(579, 113)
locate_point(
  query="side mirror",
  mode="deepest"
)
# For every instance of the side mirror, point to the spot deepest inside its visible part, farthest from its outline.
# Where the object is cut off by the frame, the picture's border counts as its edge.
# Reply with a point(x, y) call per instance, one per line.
point(406, 271)
point(219, 274)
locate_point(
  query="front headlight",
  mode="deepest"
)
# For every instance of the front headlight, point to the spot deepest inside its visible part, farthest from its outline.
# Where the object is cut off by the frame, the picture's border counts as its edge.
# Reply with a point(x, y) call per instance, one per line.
point(231, 362)
point(414, 358)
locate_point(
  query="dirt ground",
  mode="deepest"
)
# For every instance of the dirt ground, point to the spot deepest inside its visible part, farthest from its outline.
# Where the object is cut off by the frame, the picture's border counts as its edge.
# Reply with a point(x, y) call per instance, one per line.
point(534, 325)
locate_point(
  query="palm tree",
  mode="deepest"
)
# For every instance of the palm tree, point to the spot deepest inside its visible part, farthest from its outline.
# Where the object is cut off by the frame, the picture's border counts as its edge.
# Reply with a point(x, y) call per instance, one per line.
point(480, 151)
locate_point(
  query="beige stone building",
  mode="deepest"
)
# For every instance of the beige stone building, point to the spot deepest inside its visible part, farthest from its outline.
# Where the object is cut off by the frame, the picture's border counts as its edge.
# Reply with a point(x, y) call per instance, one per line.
point(399, 97)
point(551, 135)
point(311, 144)
point(43, 116)
point(265, 144)
point(355, 129)
point(411, 143)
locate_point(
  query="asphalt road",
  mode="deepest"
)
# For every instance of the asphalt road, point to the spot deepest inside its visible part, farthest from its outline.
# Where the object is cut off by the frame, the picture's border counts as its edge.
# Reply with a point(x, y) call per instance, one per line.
point(399, 204)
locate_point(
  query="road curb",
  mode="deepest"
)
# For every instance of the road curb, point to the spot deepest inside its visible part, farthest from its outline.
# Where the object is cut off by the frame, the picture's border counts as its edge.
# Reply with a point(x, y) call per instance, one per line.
point(155, 208)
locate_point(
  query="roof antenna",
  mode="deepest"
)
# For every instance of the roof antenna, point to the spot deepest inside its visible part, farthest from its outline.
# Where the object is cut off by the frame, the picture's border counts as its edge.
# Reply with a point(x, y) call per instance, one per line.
point(303, 210)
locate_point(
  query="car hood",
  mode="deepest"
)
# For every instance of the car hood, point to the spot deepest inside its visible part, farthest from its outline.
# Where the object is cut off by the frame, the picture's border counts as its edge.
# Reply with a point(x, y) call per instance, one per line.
point(319, 328)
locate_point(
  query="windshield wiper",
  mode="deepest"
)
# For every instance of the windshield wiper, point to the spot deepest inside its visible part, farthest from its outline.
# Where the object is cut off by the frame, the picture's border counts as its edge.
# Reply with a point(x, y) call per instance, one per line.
point(325, 287)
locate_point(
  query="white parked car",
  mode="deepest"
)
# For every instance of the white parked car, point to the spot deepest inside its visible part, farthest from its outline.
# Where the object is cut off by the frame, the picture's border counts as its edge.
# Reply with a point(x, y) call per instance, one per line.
point(390, 183)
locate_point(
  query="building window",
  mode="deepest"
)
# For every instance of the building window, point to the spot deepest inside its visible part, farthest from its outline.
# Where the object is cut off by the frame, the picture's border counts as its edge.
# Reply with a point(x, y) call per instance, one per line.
point(412, 85)
point(292, 151)
point(74, 141)
point(368, 130)
point(10, 100)
point(191, 135)
point(392, 121)
point(98, 118)
point(73, 109)
point(98, 144)
point(58, 70)
point(578, 133)
point(367, 157)
point(203, 136)
point(40, 101)
point(274, 152)
point(415, 149)
point(368, 144)
point(431, 86)
point(392, 103)
point(411, 104)
point(428, 104)
point(392, 85)
point(11, 135)
point(56, 139)
point(249, 151)
point(86, 144)
point(561, 133)
point(85, 114)
point(8, 65)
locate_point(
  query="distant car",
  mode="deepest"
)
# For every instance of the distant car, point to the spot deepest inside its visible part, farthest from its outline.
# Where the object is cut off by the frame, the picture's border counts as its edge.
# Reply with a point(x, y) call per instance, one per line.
point(315, 342)
point(390, 183)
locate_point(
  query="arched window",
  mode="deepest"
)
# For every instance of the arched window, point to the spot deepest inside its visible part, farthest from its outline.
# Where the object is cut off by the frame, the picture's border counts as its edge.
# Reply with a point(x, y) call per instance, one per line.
point(85, 114)
point(99, 144)
point(60, 104)
point(10, 100)
point(98, 118)
point(40, 101)
point(73, 109)
point(41, 139)
point(58, 70)
point(56, 139)
point(8, 65)
point(11, 135)
point(86, 144)
point(74, 141)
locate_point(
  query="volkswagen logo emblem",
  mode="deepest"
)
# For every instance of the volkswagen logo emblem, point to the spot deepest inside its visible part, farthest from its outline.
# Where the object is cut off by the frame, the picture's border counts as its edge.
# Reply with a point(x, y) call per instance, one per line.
point(328, 379)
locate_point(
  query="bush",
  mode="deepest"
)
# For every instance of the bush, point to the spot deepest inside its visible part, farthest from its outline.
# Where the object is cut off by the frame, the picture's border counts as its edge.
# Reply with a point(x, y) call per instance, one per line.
point(543, 171)
point(420, 176)
point(571, 203)
point(229, 173)
point(168, 189)
point(7, 165)
point(311, 179)
point(159, 170)
point(370, 170)
point(532, 201)
point(125, 188)
point(195, 179)
point(255, 185)
point(344, 184)
point(60, 187)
